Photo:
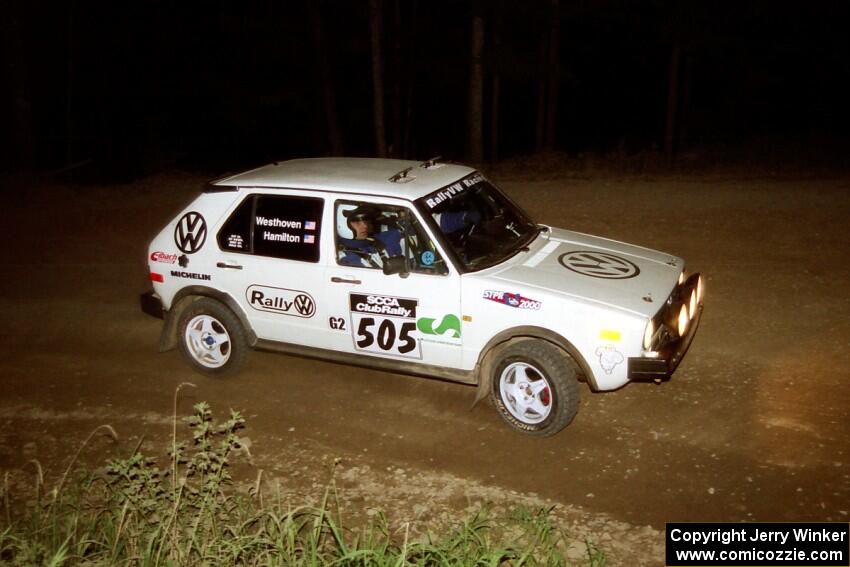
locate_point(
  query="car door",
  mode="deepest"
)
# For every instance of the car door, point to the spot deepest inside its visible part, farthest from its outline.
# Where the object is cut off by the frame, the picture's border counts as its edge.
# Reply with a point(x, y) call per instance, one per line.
point(270, 263)
point(412, 316)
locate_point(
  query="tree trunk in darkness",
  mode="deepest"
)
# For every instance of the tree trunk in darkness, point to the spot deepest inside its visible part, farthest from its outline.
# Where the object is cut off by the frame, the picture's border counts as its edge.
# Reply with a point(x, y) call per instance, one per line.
point(684, 105)
point(328, 96)
point(395, 145)
point(476, 92)
point(408, 151)
point(494, 120)
point(21, 141)
point(553, 76)
point(69, 89)
point(672, 104)
point(540, 130)
point(377, 78)
point(494, 100)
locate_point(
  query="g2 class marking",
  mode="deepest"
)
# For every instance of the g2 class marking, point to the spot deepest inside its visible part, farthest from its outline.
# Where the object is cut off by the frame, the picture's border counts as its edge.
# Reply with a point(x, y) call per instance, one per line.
point(598, 265)
point(281, 300)
point(190, 232)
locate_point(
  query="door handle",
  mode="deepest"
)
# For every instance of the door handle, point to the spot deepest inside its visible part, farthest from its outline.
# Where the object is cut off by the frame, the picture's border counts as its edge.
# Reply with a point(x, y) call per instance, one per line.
point(228, 266)
point(337, 279)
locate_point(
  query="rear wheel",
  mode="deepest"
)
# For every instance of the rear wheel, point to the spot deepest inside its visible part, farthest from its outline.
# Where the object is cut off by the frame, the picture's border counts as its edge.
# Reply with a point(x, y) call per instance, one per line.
point(211, 337)
point(534, 387)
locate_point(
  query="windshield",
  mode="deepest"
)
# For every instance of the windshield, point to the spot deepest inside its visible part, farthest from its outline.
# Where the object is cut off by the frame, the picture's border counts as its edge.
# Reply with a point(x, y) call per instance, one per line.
point(480, 224)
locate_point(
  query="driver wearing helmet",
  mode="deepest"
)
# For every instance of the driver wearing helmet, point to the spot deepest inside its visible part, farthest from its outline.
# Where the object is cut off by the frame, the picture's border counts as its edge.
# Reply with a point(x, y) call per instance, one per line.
point(369, 246)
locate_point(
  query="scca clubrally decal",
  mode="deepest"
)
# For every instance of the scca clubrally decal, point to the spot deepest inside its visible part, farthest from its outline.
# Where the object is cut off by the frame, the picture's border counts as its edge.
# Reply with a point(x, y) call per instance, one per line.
point(383, 324)
point(190, 232)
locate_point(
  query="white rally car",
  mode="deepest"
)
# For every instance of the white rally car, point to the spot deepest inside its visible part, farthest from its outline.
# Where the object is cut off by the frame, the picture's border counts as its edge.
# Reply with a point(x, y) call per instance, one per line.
point(422, 268)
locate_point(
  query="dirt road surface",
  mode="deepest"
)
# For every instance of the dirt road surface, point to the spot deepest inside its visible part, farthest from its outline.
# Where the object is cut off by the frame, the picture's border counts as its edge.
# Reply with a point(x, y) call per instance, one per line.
point(753, 427)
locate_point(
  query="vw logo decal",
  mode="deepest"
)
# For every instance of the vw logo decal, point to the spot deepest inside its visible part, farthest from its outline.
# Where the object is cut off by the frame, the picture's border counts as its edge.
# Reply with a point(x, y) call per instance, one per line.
point(190, 233)
point(598, 265)
point(304, 305)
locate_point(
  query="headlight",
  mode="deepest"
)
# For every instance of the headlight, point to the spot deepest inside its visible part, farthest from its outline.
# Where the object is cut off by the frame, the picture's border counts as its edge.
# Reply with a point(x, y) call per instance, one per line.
point(699, 289)
point(681, 277)
point(683, 321)
point(647, 335)
point(692, 306)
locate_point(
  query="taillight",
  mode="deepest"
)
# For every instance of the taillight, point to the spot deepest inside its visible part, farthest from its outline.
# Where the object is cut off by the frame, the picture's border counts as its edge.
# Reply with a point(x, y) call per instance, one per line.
point(157, 277)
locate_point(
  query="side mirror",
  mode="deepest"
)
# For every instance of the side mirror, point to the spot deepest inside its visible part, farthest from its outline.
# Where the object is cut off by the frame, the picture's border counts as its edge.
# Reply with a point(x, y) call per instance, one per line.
point(396, 265)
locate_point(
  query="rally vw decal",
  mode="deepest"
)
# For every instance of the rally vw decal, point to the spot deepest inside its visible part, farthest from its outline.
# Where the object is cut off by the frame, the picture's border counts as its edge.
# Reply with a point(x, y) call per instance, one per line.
point(281, 300)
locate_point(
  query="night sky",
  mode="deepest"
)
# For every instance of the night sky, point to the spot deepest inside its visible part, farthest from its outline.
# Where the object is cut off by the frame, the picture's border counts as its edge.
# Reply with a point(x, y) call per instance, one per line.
point(131, 87)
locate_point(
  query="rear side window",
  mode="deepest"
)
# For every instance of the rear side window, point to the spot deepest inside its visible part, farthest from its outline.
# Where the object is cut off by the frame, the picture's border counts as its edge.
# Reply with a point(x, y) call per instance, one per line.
point(235, 235)
point(278, 226)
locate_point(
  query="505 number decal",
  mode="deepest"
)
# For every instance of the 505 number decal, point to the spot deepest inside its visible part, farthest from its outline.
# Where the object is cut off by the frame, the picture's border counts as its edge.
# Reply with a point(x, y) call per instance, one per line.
point(387, 334)
point(384, 324)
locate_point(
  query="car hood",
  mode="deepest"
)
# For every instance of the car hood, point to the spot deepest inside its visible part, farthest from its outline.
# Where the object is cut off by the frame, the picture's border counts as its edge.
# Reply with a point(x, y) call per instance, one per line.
point(594, 269)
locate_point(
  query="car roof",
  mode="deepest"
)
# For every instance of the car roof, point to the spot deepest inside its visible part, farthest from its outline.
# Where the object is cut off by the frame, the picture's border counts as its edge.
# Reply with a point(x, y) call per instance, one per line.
point(352, 175)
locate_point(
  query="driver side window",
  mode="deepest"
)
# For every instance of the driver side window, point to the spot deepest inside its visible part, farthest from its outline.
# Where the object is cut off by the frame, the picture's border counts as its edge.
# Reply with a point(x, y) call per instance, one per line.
point(369, 234)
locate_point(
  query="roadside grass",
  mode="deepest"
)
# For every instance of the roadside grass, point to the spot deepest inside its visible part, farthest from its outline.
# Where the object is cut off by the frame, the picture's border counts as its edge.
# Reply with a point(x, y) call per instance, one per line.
point(134, 513)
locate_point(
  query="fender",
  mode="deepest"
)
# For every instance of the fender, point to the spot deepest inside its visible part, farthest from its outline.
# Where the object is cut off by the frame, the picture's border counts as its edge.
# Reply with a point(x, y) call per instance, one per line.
point(483, 370)
point(183, 298)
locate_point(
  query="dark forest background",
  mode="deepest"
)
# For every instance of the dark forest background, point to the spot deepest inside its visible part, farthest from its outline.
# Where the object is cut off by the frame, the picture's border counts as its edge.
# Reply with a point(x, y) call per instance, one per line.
point(121, 89)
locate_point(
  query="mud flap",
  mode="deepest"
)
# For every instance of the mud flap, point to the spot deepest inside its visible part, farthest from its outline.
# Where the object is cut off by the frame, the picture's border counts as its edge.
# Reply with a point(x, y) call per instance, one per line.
point(168, 337)
point(484, 380)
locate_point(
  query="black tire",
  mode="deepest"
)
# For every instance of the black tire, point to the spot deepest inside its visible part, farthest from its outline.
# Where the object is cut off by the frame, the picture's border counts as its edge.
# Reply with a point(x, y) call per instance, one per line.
point(534, 387)
point(216, 343)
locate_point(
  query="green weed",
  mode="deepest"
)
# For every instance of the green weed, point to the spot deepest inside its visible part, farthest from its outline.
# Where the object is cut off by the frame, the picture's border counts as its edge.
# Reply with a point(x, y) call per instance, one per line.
point(133, 513)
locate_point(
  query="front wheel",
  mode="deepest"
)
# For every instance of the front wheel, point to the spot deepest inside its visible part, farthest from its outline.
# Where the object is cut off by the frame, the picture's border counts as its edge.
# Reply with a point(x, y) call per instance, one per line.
point(211, 337)
point(534, 387)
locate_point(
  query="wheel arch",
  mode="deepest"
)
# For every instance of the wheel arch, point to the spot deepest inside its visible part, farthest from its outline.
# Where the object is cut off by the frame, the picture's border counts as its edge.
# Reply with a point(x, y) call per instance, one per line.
point(507, 336)
point(185, 297)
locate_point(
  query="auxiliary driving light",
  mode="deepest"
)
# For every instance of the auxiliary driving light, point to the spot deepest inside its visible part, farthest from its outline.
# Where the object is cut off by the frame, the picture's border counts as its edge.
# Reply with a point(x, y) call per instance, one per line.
point(692, 306)
point(647, 335)
point(683, 321)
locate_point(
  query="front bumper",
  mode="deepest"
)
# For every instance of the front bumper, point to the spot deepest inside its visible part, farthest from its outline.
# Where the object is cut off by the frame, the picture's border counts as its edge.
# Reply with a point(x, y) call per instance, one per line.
point(672, 350)
point(152, 305)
